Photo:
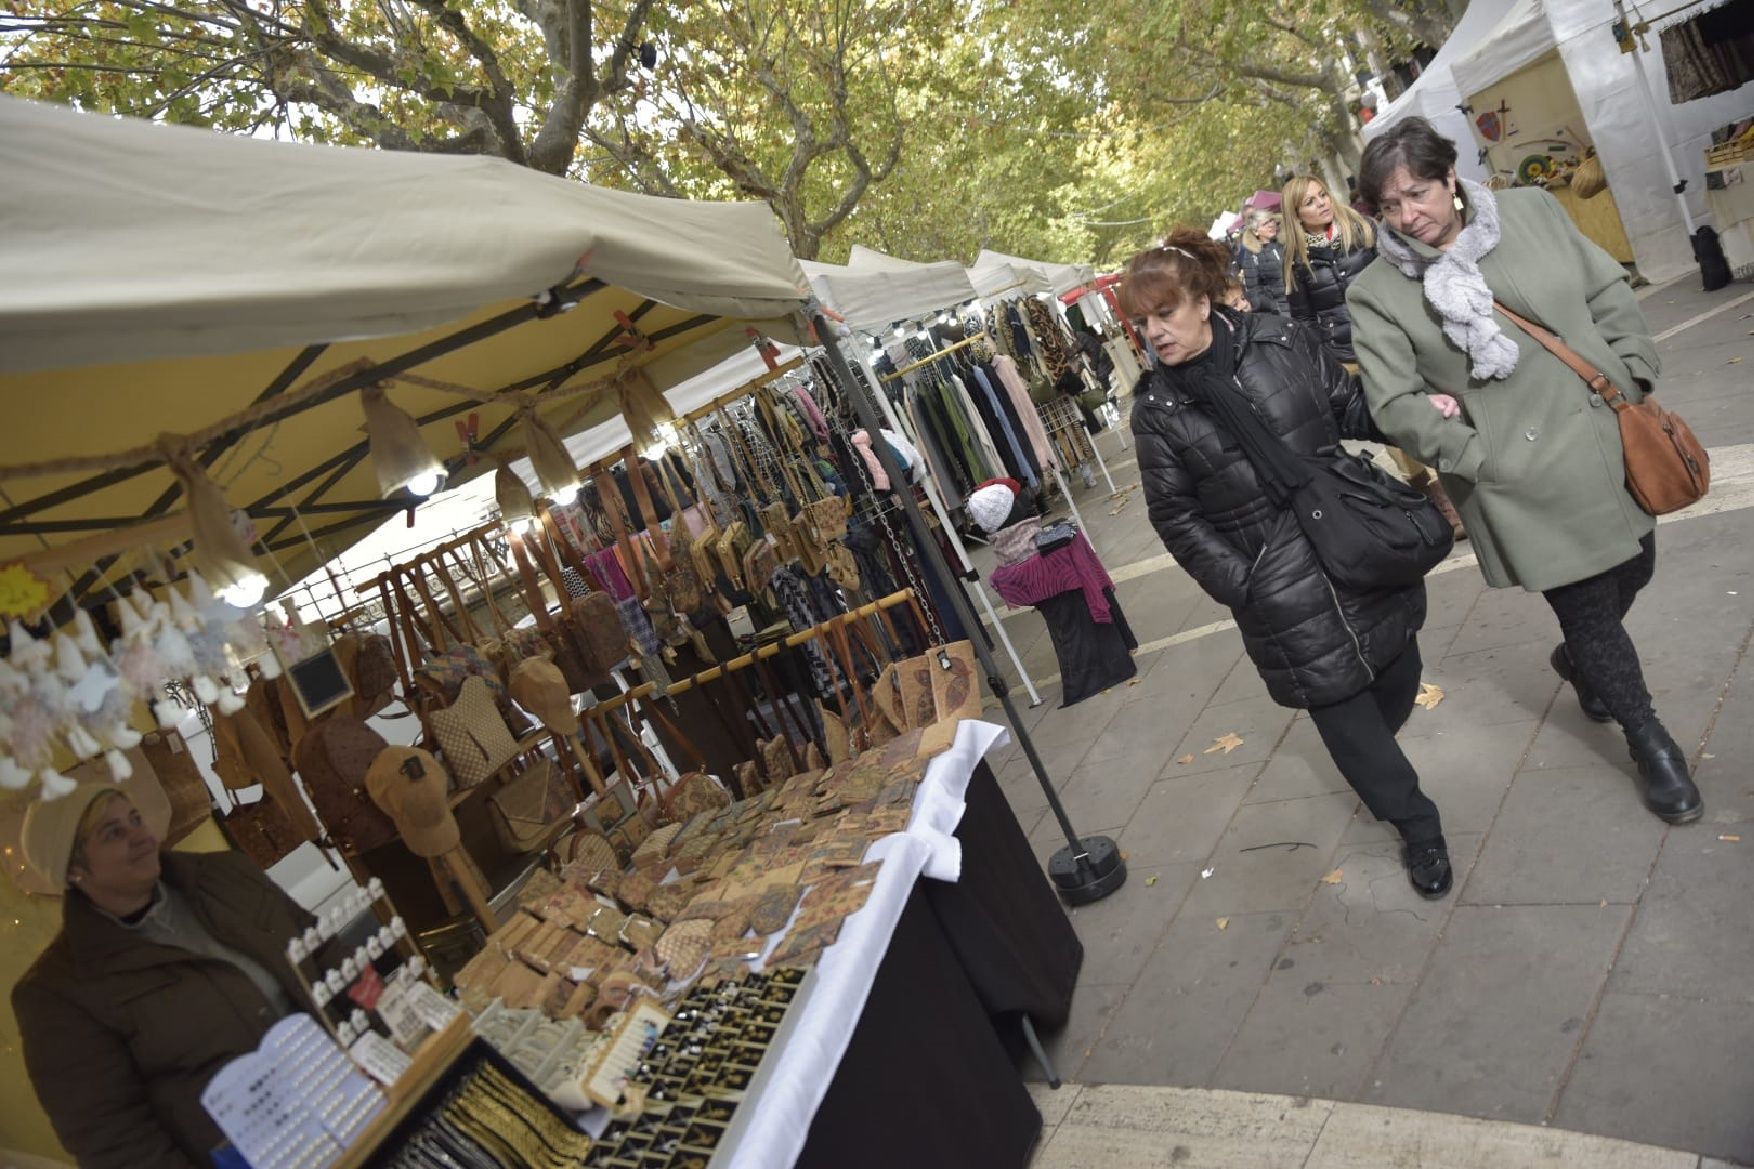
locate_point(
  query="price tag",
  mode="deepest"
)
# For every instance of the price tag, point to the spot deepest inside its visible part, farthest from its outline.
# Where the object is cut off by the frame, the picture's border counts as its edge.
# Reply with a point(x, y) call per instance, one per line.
point(398, 1013)
point(434, 1009)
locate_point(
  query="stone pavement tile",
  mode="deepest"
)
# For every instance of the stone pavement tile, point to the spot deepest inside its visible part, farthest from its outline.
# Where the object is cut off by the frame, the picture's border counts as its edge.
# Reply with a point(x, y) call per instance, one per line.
point(1491, 687)
point(1668, 1071)
point(1506, 617)
point(1120, 931)
point(1450, 596)
point(1061, 746)
point(1570, 836)
point(1690, 936)
point(1256, 867)
point(1307, 1038)
point(1189, 1001)
point(1022, 791)
point(1106, 793)
point(1244, 682)
point(1119, 1127)
point(1495, 1022)
point(1182, 817)
point(1153, 611)
point(1191, 671)
point(1467, 771)
point(1370, 926)
point(1434, 643)
point(1052, 1103)
point(1205, 612)
point(1141, 739)
point(1300, 767)
point(1071, 1045)
point(1358, 1136)
point(1257, 721)
point(1568, 739)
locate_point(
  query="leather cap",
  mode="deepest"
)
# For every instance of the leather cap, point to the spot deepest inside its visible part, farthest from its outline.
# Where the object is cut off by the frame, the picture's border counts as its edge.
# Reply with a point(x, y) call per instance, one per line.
point(411, 786)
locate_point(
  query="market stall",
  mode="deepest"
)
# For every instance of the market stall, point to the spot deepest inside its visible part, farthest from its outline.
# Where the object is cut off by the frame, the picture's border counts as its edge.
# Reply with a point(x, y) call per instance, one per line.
point(546, 659)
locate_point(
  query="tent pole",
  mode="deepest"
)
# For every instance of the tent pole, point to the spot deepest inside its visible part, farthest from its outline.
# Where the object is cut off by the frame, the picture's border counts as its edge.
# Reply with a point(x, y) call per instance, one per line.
point(1660, 122)
point(1088, 868)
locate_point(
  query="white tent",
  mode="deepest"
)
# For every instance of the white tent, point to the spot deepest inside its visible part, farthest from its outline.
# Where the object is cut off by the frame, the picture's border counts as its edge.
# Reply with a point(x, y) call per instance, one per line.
point(1058, 278)
point(169, 279)
point(1629, 129)
point(873, 299)
point(1434, 95)
point(991, 277)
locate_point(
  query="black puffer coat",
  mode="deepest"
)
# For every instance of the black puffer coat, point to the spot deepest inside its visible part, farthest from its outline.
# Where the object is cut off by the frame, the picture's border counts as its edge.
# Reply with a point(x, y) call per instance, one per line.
point(1263, 277)
point(1319, 294)
point(1314, 643)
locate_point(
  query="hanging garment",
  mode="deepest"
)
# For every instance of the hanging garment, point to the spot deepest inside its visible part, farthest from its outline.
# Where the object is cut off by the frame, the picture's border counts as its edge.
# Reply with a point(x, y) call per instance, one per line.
point(986, 443)
point(1073, 567)
point(802, 608)
point(1092, 657)
point(818, 423)
point(1018, 392)
point(1711, 53)
point(1050, 336)
point(606, 567)
point(939, 450)
point(1012, 417)
point(1016, 454)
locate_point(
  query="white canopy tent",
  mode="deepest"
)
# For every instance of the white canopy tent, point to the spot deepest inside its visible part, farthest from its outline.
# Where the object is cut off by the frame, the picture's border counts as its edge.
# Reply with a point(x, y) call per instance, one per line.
point(870, 300)
point(1626, 115)
point(1058, 279)
point(1434, 95)
point(170, 279)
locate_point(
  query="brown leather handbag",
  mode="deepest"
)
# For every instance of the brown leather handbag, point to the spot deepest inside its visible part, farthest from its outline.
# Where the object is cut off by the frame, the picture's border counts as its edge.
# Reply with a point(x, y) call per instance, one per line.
point(1667, 468)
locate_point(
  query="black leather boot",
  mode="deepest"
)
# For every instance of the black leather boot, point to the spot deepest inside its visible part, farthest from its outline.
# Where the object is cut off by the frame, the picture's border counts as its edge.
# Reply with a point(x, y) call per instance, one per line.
point(1669, 791)
point(1428, 868)
point(1593, 708)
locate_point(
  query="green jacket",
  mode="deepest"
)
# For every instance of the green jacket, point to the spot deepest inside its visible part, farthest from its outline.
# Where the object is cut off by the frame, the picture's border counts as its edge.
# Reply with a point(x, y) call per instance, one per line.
point(1534, 462)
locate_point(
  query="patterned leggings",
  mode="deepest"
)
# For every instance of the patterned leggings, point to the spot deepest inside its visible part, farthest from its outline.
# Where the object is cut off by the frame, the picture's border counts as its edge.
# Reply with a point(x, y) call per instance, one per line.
point(1591, 612)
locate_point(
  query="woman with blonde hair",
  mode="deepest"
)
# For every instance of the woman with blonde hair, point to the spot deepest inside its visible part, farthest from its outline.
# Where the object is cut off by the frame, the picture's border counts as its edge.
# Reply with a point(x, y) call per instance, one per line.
point(1328, 245)
point(1261, 258)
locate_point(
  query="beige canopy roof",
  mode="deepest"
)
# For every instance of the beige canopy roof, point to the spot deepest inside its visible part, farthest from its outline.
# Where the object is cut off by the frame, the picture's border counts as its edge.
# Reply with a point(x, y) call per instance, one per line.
point(163, 279)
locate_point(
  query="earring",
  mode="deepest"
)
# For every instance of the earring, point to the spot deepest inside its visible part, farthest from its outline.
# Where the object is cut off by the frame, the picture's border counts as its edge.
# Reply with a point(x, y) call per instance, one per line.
point(1458, 201)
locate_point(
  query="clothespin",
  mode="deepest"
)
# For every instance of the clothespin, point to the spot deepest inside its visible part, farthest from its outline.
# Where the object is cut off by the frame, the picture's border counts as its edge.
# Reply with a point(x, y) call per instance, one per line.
point(469, 434)
point(632, 336)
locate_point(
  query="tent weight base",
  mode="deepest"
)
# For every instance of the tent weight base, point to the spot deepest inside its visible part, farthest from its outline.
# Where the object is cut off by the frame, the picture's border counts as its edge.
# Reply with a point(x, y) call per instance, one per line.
point(1084, 879)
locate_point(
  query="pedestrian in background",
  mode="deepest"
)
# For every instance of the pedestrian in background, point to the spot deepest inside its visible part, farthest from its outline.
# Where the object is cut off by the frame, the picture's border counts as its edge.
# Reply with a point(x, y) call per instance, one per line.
point(1238, 404)
point(1261, 259)
point(1533, 456)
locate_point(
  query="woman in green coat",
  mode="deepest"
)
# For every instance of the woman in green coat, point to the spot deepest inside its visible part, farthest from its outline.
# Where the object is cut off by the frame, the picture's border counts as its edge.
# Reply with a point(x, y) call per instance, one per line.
point(1529, 454)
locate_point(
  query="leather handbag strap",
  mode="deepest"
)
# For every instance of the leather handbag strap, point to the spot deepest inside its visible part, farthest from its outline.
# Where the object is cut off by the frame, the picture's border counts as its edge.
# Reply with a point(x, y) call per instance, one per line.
point(531, 585)
point(1594, 378)
point(401, 646)
point(642, 498)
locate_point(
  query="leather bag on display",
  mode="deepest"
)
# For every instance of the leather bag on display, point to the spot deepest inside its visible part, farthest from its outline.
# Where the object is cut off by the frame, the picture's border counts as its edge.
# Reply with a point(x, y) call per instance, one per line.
point(333, 759)
point(473, 735)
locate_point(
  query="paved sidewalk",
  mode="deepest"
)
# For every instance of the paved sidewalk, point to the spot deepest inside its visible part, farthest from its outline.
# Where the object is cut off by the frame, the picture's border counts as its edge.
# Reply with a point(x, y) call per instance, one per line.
point(1592, 971)
point(1180, 1128)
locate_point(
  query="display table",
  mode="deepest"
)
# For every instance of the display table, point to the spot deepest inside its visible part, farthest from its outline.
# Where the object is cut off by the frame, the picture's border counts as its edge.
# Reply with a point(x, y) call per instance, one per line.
point(960, 927)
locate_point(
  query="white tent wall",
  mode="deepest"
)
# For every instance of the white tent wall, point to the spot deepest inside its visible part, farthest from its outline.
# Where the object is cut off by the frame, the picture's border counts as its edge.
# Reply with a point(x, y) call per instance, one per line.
point(1434, 96)
point(1620, 118)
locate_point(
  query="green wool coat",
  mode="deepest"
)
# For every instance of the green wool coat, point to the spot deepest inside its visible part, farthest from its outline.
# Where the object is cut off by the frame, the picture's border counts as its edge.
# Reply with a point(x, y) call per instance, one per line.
point(1534, 462)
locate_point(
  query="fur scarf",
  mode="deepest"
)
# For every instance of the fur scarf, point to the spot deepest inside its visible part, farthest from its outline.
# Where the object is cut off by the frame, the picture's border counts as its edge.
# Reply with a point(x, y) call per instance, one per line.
point(1457, 290)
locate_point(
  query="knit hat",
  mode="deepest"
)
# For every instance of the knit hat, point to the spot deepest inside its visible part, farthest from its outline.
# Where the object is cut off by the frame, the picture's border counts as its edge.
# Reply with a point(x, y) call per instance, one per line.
point(51, 827)
point(990, 506)
point(411, 787)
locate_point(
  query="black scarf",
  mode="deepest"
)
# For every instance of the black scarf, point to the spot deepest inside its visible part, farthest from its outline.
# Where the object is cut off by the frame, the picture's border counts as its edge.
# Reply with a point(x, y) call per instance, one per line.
point(1210, 380)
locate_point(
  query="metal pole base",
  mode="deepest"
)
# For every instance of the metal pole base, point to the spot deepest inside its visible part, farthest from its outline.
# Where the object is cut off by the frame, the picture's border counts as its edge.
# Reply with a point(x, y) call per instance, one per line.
point(1090, 874)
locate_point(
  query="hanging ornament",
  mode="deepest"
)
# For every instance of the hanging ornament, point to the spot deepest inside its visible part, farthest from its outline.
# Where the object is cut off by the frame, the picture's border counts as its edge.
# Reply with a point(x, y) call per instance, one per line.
point(398, 450)
point(221, 537)
point(555, 469)
point(645, 410)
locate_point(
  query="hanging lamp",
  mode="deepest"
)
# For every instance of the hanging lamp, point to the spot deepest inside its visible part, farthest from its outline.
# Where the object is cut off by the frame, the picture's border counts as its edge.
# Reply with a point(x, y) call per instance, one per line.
point(221, 542)
point(517, 508)
point(398, 450)
point(555, 470)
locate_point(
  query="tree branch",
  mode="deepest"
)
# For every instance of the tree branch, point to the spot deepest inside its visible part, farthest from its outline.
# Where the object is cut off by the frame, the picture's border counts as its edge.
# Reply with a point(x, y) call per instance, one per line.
point(499, 106)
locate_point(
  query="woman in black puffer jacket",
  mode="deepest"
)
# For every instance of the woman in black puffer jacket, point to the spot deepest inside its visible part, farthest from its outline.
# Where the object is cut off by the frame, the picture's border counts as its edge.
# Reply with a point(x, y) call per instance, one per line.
point(1326, 246)
point(1350, 658)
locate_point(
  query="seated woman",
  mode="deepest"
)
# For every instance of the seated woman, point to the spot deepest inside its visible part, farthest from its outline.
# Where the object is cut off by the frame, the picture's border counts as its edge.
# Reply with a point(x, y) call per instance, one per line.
point(168, 966)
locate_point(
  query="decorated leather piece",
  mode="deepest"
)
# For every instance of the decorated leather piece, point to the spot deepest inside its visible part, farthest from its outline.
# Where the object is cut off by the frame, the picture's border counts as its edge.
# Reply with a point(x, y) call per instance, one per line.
point(641, 933)
point(773, 908)
point(695, 792)
point(655, 846)
point(956, 692)
point(802, 947)
point(636, 889)
point(588, 851)
point(670, 900)
point(733, 923)
point(814, 760)
point(472, 735)
point(835, 731)
point(776, 759)
point(749, 777)
point(684, 947)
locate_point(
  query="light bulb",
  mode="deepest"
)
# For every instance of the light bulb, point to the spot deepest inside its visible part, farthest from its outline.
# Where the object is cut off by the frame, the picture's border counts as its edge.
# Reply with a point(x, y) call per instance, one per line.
point(943, 318)
point(522, 524)
point(566, 496)
point(900, 332)
point(246, 593)
point(425, 483)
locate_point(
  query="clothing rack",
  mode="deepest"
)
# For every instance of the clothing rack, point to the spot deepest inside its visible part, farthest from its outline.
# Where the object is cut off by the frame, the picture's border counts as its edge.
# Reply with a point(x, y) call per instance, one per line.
point(761, 653)
point(936, 357)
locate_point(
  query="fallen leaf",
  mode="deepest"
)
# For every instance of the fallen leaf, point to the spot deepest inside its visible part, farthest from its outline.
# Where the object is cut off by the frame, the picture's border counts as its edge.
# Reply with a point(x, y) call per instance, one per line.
point(1151, 880)
point(1134, 681)
point(1733, 361)
point(1335, 877)
point(1226, 743)
point(1185, 759)
point(1224, 923)
point(1429, 695)
point(1707, 755)
point(1730, 838)
point(1206, 872)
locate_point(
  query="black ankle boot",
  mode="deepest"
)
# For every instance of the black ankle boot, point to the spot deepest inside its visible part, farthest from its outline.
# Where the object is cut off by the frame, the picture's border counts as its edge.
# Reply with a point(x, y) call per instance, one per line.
point(1593, 708)
point(1428, 868)
point(1669, 791)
